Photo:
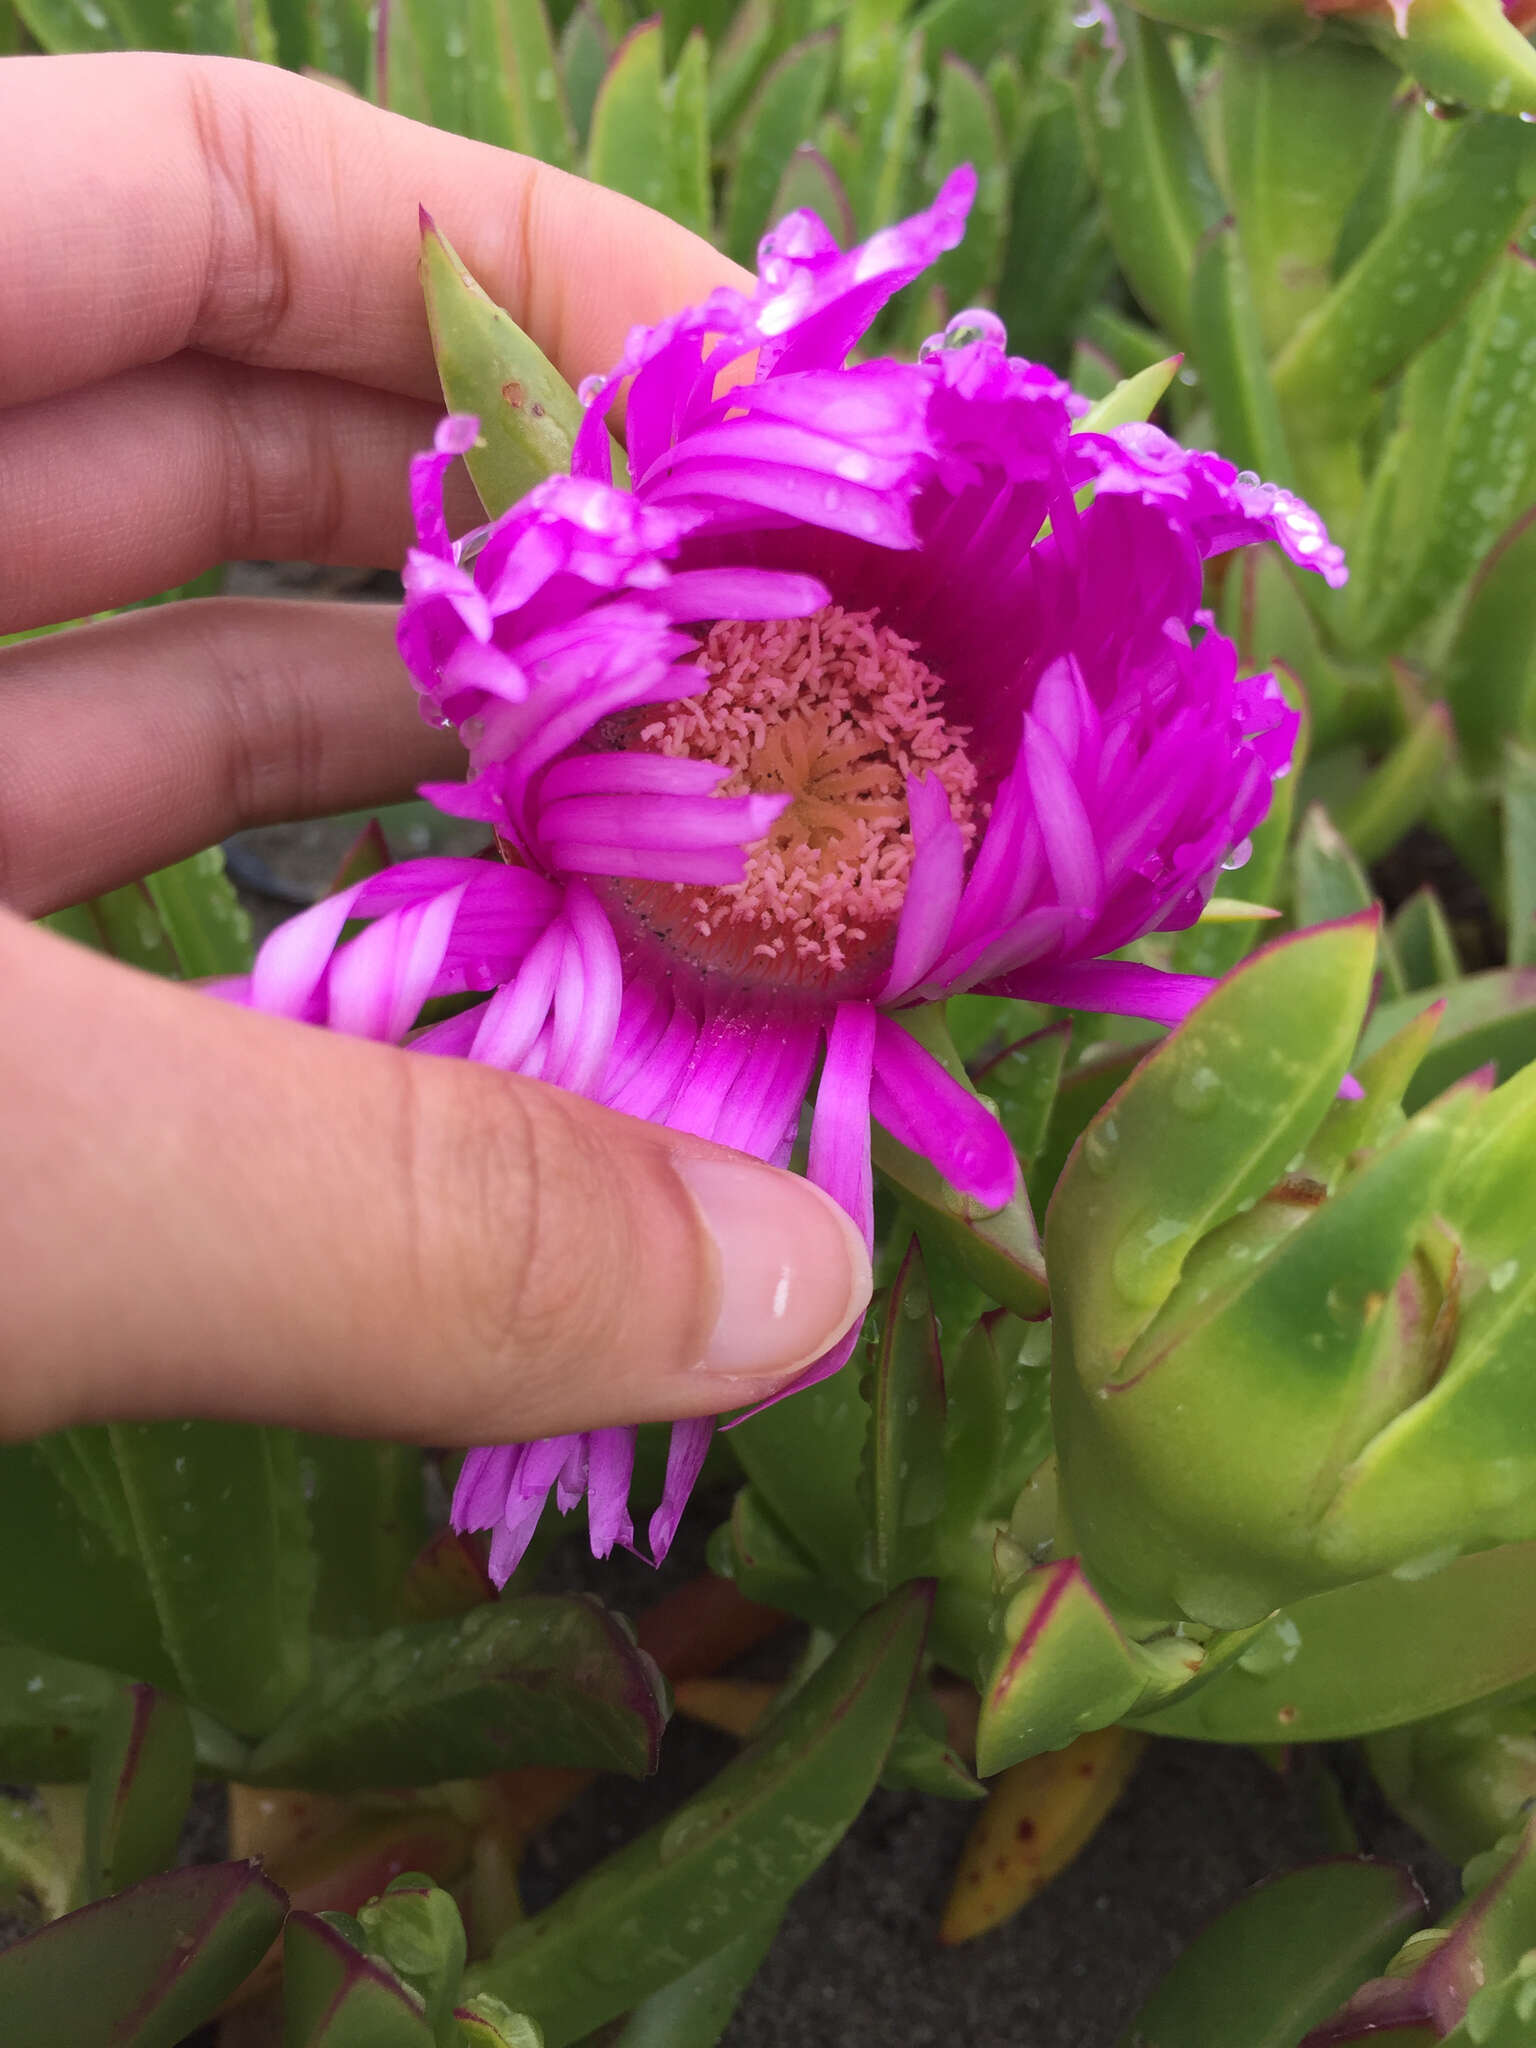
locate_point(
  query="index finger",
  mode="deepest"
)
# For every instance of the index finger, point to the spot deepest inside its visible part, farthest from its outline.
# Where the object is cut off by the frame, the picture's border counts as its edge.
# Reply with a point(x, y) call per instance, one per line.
point(158, 203)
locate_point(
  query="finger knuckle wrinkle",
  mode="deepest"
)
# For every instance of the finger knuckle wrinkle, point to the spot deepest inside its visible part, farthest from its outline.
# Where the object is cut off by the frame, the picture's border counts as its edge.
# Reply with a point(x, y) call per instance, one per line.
point(249, 284)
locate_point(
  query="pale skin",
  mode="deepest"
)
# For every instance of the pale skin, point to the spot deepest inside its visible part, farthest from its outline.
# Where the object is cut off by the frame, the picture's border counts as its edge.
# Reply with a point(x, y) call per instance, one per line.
point(212, 347)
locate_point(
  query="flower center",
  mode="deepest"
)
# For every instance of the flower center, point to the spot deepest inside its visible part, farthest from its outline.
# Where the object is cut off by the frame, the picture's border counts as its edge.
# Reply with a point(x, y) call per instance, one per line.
point(837, 711)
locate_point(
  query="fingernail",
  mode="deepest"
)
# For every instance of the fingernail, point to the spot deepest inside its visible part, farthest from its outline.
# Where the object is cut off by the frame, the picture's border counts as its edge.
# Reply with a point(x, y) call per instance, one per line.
point(794, 1274)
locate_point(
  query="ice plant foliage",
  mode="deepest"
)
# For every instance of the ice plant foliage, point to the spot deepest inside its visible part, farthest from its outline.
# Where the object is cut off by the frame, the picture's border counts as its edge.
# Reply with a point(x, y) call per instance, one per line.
point(881, 684)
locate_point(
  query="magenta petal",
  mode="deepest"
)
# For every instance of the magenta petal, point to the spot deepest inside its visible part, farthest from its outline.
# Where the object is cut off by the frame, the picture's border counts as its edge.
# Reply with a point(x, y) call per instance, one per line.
point(928, 1111)
point(933, 888)
point(839, 1154)
point(480, 1493)
point(630, 774)
point(588, 995)
point(742, 594)
point(671, 823)
point(379, 982)
point(1119, 988)
point(514, 1017)
point(291, 964)
point(685, 1461)
point(571, 1484)
point(610, 1462)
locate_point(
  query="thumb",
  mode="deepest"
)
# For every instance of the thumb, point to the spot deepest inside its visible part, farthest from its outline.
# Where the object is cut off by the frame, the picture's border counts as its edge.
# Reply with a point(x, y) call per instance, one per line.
point(208, 1212)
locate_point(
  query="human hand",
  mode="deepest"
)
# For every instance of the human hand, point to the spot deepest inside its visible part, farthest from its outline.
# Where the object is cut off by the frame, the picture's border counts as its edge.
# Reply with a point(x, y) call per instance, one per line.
point(212, 347)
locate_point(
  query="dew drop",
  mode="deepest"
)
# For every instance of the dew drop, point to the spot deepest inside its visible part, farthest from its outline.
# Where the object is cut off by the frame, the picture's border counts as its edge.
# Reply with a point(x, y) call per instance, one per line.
point(1502, 1275)
point(1147, 1259)
point(1101, 1142)
point(1197, 1091)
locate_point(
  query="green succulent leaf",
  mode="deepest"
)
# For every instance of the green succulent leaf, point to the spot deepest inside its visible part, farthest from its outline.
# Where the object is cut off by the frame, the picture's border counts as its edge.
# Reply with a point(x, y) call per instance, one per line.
point(1423, 943)
point(80, 1595)
point(36, 1870)
point(1412, 279)
point(882, 92)
point(967, 130)
point(1294, 1335)
point(184, 922)
point(1520, 853)
point(159, 1959)
point(50, 1708)
point(1488, 1018)
point(1466, 52)
point(337, 1996)
point(1373, 1656)
point(1398, 791)
point(1133, 398)
point(1464, 1454)
point(1158, 194)
point(1283, 1958)
point(805, 1458)
point(528, 414)
point(219, 1516)
point(65, 27)
point(650, 132)
point(760, 31)
point(530, 1681)
point(906, 1436)
point(586, 50)
point(694, 2010)
point(415, 1927)
point(782, 117)
point(1251, 1072)
point(759, 1555)
point(1476, 1970)
point(1489, 674)
point(1083, 1092)
point(1022, 1081)
point(1465, 1778)
point(1228, 346)
point(999, 1418)
point(1463, 461)
point(368, 1523)
point(487, 2023)
point(1065, 1666)
point(810, 181)
point(732, 1855)
point(1300, 125)
point(139, 1790)
point(1057, 260)
point(218, 28)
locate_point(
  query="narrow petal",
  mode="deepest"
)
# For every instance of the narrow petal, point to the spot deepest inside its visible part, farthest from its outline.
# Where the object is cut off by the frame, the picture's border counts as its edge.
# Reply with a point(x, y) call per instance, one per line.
point(1118, 988)
point(933, 887)
point(839, 1153)
point(630, 774)
point(696, 594)
point(928, 1111)
point(480, 1492)
point(610, 1462)
point(514, 1017)
point(685, 1461)
point(586, 1014)
point(378, 984)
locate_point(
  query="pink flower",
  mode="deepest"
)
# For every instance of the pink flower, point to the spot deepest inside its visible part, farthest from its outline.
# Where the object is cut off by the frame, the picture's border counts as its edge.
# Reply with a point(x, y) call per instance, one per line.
point(882, 684)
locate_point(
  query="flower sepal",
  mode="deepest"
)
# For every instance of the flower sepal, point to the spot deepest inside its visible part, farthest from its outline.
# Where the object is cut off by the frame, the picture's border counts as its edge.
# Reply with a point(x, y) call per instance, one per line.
point(1069, 1664)
point(528, 415)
